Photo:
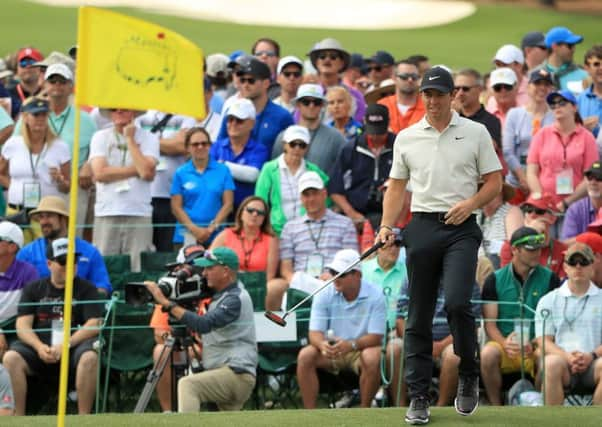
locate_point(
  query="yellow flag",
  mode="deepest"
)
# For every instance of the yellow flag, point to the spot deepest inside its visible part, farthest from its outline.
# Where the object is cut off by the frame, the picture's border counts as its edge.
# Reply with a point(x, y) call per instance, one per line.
point(124, 62)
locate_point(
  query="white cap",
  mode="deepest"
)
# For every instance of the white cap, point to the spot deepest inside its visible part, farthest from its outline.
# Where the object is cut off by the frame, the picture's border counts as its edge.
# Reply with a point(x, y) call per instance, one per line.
point(296, 133)
point(217, 62)
point(509, 54)
point(343, 259)
point(310, 179)
point(310, 90)
point(12, 233)
point(60, 69)
point(242, 109)
point(502, 75)
point(288, 60)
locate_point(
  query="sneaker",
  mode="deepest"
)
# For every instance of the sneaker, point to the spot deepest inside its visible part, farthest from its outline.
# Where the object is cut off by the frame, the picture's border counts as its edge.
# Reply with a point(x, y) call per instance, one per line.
point(467, 399)
point(418, 412)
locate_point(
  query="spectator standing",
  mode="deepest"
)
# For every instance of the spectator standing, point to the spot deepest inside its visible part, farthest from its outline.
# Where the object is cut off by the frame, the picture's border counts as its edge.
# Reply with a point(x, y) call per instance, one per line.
point(534, 49)
point(380, 68)
point(504, 83)
point(339, 102)
point(510, 56)
point(589, 103)
point(289, 76)
point(268, 51)
point(29, 77)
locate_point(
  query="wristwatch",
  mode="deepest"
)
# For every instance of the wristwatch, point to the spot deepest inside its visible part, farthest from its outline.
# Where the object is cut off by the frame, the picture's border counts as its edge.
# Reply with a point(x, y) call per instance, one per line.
point(353, 345)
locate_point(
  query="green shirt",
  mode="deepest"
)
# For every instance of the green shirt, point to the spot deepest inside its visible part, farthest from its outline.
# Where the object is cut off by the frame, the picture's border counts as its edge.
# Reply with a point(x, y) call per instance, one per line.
point(391, 281)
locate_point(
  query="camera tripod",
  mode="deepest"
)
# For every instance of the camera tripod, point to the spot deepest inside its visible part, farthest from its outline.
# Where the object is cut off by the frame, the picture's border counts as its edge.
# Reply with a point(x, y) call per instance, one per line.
point(173, 344)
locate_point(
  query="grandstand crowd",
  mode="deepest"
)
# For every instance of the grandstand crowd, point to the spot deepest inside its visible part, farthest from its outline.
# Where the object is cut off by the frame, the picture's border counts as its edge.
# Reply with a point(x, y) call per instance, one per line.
point(288, 170)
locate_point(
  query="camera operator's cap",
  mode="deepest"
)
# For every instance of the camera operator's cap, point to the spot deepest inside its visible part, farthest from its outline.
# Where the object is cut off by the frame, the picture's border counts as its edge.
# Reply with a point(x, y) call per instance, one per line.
point(376, 120)
point(58, 248)
point(591, 239)
point(288, 60)
point(561, 35)
point(52, 204)
point(296, 133)
point(310, 179)
point(580, 249)
point(437, 78)
point(10, 232)
point(528, 238)
point(242, 109)
point(508, 54)
point(343, 259)
point(219, 256)
point(534, 39)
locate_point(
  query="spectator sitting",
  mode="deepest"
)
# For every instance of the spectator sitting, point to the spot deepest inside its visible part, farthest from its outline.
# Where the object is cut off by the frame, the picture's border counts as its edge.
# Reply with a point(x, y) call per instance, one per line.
point(202, 192)
point(7, 400)
point(584, 211)
point(522, 281)
point(339, 102)
point(53, 217)
point(40, 332)
point(572, 347)
point(308, 242)
point(252, 238)
point(594, 241)
point(278, 180)
point(354, 310)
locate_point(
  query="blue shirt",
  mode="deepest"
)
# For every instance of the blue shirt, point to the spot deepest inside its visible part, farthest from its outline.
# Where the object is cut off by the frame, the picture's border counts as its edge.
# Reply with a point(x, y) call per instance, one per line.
point(201, 192)
point(90, 265)
point(254, 154)
point(216, 104)
point(349, 320)
point(268, 124)
point(588, 104)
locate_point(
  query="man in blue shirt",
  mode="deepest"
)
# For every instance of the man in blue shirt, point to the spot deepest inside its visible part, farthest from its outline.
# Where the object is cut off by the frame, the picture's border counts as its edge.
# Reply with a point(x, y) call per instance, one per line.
point(53, 216)
point(346, 328)
point(589, 102)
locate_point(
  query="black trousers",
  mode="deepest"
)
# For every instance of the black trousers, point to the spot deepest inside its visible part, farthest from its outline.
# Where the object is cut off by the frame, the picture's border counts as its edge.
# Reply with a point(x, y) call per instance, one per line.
point(439, 255)
point(162, 234)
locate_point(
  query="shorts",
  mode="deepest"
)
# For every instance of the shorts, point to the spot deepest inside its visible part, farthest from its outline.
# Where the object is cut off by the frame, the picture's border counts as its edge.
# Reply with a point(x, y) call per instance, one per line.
point(583, 382)
point(511, 365)
point(40, 368)
point(347, 362)
point(7, 400)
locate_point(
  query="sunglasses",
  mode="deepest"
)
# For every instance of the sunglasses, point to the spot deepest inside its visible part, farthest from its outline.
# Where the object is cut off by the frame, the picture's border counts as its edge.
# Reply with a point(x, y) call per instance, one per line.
point(592, 177)
point(559, 103)
point(532, 240)
point(243, 80)
point(574, 261)
point(62, 260)
point(235, 120)
point(499, 87)
point(289, 74)
point(27, 62)
point(209, 255)
point(377, 68)
point(331, 56)
point(39, 113)
point(252, 211)
point(200, 144)
point(464, 88)
point(407, 76)
point(334, 273)
point(269, 53)
point(569, 45)
point(363, 85)
point(301, 144)
point(308, 101)
point(533, 210)
point(57, 80)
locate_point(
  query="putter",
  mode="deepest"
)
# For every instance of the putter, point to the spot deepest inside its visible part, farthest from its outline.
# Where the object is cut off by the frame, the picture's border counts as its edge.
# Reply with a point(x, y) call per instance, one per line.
point(280, 320)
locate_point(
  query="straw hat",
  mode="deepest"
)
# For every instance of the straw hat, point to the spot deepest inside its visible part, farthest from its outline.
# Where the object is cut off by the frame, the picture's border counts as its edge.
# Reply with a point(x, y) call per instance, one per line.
point(53, 204)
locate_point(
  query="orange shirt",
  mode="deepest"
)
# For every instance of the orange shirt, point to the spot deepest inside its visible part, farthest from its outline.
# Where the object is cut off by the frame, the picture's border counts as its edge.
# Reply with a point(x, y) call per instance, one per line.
point(397, 121)
point(253, 256)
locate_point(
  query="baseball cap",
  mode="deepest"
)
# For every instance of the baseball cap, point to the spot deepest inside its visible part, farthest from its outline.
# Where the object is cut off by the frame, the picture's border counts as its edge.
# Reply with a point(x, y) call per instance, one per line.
point(57, 250)
point(533, 39)
point(286, 61)
point(217, 63)
point(540, 75)
point(254, 67)
point(310, 179)
point(60, 69)
point(242, 109)
point(10, 232)
point(545, 202)
point(296, 133)
point(343, 259)
point(376, 120)
point(310, 90)
point(528, 238)
point(187, 254)
point(579, 249)
point(594, 170)
point(35, 105)
point(30, 52)
point(564, 94)
point(381, 57)
point(593, 240)
point(509, 54)
point(561, 35)
point(503, 75)
point(437, 78)
point(219, 256)
point(356, 61)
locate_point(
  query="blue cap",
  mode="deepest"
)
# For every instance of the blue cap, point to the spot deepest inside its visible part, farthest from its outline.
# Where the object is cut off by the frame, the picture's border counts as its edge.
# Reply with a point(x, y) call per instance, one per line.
point(565, 94)
point(562, 35)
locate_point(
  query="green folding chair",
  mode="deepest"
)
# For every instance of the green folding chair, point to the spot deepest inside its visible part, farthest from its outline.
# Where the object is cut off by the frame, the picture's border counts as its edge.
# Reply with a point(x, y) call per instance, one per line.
point(255, 284)
point(152, 264)
point(117, 266)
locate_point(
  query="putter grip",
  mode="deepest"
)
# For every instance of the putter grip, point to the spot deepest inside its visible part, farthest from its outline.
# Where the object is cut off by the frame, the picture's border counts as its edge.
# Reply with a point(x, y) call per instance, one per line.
point(373, 249)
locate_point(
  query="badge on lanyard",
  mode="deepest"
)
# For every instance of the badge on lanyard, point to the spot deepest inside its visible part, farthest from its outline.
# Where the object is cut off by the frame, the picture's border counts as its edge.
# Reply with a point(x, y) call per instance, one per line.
point(315, 264)
point(564, 181)
point(162, 165)
point(32, 193)
point(571, 341)
point(122, 186)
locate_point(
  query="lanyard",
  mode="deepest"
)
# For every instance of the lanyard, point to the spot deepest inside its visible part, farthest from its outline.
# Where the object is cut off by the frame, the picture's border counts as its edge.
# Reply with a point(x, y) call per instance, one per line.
point(579, 313)
point(59, 131)
point(123, 147)
point(316, 240)
point(247, 253)
point(34, 166)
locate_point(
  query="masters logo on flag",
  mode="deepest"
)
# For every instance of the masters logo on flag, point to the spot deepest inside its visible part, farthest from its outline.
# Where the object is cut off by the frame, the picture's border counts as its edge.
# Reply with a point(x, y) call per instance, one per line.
point(124, 62)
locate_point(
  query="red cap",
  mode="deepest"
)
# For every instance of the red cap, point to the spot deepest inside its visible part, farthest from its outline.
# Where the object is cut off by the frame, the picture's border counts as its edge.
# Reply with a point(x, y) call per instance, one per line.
point(546, 202)
point(593, 240)
point(30, 52)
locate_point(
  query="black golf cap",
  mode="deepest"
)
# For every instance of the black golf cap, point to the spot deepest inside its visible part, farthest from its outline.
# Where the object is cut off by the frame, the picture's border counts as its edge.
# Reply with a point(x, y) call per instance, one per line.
point(437, 78)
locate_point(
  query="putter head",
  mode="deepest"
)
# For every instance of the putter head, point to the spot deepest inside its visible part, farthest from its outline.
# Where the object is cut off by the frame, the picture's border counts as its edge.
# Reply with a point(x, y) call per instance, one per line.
point(275, 318)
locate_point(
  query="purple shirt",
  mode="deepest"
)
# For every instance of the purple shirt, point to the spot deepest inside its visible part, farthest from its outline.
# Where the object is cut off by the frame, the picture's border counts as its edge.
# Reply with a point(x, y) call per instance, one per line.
point(578, 216)
point(12, 282)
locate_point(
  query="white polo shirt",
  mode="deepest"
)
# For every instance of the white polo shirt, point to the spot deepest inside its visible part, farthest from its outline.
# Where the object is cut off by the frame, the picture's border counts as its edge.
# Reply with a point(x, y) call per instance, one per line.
point(443, 168)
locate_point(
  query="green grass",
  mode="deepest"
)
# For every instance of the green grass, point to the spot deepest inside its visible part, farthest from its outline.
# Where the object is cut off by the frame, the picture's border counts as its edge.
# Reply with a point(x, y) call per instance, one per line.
point(468, 42)
point(485, 416)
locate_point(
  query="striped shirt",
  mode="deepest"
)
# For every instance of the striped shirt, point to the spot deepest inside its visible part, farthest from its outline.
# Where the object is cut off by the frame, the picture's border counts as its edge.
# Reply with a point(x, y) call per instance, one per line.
point(303, 236)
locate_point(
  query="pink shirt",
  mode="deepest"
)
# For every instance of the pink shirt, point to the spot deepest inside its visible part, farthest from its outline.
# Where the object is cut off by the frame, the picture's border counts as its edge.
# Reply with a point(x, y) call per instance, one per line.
point(522, 97)
point(548, 152)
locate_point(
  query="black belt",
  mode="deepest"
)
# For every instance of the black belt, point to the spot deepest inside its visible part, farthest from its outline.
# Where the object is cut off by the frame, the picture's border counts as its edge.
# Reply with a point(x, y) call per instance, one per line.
point(16, 207)
point(437, 216)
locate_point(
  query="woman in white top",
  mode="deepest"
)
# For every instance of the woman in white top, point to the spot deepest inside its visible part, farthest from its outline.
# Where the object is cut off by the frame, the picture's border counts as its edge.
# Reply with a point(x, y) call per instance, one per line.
point(34, 164)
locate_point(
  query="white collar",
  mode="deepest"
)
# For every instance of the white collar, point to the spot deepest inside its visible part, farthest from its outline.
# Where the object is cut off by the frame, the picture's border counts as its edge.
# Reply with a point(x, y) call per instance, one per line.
point(564, 290)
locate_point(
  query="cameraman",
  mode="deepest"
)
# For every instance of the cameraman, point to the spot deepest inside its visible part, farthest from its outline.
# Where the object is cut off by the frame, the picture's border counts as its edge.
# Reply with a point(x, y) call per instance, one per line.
point(228, 335)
